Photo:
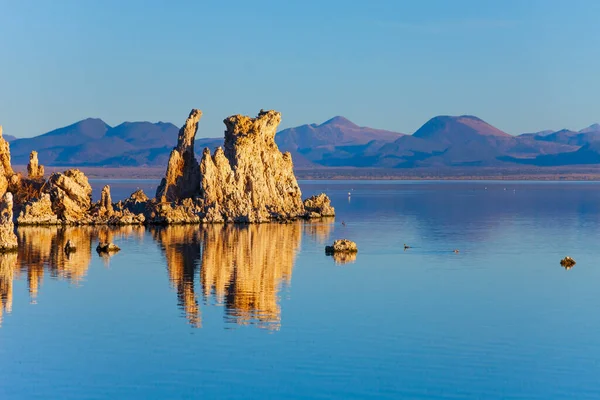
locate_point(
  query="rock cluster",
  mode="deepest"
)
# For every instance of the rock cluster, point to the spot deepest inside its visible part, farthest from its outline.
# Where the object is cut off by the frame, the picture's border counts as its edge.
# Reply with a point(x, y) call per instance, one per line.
point(8, 238)
point(247, 181)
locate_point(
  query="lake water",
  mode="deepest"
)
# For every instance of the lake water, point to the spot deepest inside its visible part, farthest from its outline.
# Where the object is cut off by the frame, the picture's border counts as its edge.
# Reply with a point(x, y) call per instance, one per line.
point(261, 312)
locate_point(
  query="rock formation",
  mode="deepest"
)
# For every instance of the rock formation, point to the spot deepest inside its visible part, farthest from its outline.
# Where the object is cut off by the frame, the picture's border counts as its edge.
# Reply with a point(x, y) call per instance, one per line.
point(341, 246)
point(106, 206)
point(38, 212)
point(8, 239)
point(6, 170)
point(247, 181)
point(251, 180)
point(34, 169)
point(319, 206)
point(71, 196)
point(5, 156)
point(182, 177)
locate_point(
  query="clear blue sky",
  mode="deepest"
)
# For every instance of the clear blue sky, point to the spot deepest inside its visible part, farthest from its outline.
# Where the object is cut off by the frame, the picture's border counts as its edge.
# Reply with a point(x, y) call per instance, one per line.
point(520, 65)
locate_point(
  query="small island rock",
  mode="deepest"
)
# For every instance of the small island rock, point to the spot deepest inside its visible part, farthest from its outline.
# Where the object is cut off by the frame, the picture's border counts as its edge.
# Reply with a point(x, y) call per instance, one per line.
point(341, 246)
point(105, 247)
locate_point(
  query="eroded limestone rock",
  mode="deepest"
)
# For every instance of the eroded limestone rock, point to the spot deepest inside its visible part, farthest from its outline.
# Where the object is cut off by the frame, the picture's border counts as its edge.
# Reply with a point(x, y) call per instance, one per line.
point(341, 246)
point(8, 239)
point(34, 169)
point(182, 178)
point(5, 156)
point(319, 206)
point(106, 206)
point(250, 180)
point(38, 212)
point(71, 196)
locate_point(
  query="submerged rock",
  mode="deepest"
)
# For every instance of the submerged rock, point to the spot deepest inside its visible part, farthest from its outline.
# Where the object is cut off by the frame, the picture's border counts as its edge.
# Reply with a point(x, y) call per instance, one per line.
point(341, 246)
point(34, 169)
point(8, 239)
point(182, 178)
point(567, 262)
point(106, 247)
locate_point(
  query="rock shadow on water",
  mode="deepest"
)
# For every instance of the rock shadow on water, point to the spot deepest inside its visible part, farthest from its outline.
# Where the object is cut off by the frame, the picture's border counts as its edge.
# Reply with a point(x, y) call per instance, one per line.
point(241, 268)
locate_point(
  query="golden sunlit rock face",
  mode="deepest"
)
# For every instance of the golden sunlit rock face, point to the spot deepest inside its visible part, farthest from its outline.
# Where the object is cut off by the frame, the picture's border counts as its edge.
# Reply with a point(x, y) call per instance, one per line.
point(242, 268)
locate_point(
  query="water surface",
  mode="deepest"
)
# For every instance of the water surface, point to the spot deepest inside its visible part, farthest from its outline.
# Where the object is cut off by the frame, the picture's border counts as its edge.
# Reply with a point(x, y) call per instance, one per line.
point(261, 312)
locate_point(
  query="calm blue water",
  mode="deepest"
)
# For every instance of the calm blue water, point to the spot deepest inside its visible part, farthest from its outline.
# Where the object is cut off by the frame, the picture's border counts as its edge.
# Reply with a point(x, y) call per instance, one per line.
point(261, 312)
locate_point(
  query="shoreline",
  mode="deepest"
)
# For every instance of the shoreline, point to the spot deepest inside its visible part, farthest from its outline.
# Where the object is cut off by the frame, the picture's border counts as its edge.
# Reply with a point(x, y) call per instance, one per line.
point(578, 173)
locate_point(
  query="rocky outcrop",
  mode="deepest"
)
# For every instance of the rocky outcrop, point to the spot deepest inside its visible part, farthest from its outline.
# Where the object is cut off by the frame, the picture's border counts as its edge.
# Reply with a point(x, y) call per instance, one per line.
point(6, 170)
point(319, 206)
point(8, 239)
point(71, 196)
point(247, 181)
point(106, 206)
point(182, 178)
point(250, 180)
point(38, 212)
point(5, 156)
point(34, 169)
point(341, 246)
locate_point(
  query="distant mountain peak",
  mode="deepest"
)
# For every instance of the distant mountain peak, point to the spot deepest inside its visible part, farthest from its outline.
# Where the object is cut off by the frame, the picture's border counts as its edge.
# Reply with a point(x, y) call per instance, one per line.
point(457, 126)
point(591, 128)
point(340, 121)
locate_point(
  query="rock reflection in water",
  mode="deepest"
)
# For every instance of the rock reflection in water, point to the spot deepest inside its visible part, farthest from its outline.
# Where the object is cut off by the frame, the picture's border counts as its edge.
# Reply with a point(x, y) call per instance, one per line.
point(344, 258)
point(8, 261)
point(181, 247)
point(42, 248)
point(242, 268)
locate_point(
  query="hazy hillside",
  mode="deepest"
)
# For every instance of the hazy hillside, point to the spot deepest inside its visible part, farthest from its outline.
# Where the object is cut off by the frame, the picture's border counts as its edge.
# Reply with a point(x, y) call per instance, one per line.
point(442, 142)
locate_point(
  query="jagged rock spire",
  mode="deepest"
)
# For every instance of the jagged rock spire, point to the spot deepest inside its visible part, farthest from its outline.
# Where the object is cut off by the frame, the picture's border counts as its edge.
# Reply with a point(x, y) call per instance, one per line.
point(182, 179)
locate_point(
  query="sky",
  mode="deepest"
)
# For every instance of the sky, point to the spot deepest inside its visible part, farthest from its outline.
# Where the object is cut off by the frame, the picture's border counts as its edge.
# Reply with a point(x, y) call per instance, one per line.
point(521, 65)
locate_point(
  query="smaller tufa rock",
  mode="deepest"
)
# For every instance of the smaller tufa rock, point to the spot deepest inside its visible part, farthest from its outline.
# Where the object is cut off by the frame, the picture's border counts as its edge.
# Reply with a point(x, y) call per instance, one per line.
point(70, 247)
point(319, 206)
point(34, 170)
point(341, 246)
point(8, 239)
point(106, 201)
point(567, 262)
point(105, 247)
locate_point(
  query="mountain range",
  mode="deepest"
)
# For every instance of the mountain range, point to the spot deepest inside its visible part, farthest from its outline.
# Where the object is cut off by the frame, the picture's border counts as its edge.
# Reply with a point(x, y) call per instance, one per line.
point(443, 141)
